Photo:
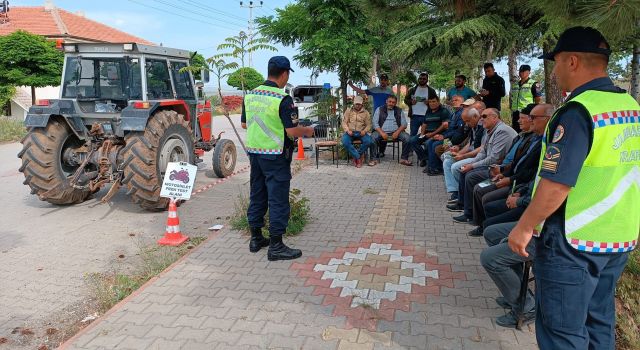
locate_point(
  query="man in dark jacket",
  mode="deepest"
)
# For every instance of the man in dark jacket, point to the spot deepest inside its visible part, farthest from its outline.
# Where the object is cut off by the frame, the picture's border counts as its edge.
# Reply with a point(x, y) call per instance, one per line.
point(521, 170)
point(492, 87)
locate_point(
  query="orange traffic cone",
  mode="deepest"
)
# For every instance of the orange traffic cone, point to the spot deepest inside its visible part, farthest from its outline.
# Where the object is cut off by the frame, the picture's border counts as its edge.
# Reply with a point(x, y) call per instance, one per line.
point(173, 236)
point(300, 155)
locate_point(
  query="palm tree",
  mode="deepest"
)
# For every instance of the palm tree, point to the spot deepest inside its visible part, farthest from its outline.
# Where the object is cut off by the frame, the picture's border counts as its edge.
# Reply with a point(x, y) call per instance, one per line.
point(241, 45)
point(619, 21)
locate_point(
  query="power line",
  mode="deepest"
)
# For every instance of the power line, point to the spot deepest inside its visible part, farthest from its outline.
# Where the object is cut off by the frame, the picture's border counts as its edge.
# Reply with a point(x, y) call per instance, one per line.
point(212, 9)
point(190, 11)
point(183, 16)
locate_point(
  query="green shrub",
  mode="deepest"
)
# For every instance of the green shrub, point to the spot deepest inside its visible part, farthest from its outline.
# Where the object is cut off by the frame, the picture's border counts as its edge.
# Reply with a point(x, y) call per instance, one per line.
point(298, 218)
point(627, 311)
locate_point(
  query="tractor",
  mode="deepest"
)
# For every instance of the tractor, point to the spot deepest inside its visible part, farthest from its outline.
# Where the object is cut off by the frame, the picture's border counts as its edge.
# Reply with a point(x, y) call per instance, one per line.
point(125, 111)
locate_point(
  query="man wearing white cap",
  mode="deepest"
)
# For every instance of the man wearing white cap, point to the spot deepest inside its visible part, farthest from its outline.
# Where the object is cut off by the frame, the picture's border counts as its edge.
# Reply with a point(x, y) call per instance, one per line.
point(357, 125)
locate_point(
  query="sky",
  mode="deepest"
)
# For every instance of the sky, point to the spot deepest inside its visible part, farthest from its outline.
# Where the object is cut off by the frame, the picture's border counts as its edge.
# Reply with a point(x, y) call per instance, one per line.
point(196, 25)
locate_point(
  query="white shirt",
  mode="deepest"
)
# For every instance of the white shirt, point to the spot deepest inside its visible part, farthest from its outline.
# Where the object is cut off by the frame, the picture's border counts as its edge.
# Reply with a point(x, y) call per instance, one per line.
point(422, 94)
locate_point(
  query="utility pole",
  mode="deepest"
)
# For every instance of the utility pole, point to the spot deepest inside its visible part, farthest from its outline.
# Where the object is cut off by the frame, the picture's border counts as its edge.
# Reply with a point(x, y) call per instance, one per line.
point(250, 6)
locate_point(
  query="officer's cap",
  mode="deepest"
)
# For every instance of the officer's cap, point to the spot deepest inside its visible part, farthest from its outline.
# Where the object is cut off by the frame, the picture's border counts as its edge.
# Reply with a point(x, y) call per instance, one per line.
point(524, 68)
point(280, 62)
point(580, 39)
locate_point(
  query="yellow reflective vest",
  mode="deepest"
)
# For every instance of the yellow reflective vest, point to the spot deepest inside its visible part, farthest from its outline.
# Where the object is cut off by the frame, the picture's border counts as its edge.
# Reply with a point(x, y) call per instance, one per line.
point(602, 213)
point(265, 131)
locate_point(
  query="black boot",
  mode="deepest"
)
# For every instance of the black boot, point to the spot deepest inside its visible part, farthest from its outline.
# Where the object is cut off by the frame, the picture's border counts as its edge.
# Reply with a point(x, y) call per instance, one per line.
point(257, 240)
point(279, 251)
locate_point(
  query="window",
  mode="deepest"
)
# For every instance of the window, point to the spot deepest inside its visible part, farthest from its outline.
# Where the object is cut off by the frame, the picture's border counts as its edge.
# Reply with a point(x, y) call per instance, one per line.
point(101, 78)
point(184, 88)
point(158, 81)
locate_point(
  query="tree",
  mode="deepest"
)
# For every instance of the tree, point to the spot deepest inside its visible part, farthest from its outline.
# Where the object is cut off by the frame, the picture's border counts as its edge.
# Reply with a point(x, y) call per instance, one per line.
point(29, 60)
point(198, 62)
point(241, 45)
point(332, 36)
point(6, 94)
point(604, 15)
point(245, 78)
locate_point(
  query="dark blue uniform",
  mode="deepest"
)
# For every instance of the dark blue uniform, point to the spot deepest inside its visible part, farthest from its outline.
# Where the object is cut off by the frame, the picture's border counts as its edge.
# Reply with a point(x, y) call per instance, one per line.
point(578, 286)
point(271, 177)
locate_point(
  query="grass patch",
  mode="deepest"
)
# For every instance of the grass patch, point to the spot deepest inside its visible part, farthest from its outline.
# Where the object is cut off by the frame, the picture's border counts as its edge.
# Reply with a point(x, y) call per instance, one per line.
point(628, 313)
point(370, 190)
point(111, 287)
point(11, 129)
point(298, 218)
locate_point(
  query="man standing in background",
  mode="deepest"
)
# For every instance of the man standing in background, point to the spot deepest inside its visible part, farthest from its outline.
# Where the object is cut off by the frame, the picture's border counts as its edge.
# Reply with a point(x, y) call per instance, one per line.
point(416, 99)
point(379, 93)
point(492, 87)
point(526, 91)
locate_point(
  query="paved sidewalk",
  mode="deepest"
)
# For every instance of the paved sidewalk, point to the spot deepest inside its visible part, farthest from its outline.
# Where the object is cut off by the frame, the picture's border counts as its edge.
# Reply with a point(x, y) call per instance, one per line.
point(383, 267)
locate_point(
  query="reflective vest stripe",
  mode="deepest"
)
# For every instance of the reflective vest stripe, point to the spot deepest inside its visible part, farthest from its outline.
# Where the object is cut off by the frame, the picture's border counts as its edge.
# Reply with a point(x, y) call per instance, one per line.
point(263, 150)
point(616, 118)
point(266, 130)
point(588, 215)
point(602, 247)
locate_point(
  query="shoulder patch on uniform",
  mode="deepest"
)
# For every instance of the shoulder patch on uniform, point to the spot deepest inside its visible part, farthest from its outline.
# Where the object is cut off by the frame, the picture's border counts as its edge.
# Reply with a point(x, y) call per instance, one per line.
point(558, 134)
point(552, 153)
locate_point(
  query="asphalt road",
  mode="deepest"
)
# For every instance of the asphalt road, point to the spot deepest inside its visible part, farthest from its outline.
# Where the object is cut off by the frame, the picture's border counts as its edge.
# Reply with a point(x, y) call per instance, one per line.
point(46, 251)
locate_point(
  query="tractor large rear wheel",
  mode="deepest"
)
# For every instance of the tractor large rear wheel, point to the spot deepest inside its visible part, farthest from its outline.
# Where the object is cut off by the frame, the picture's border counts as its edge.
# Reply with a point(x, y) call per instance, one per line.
point(43, 165)
point(167, 138)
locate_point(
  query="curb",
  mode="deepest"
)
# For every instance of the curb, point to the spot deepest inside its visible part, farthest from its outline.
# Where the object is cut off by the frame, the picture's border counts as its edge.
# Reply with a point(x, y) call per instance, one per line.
point(135, 293)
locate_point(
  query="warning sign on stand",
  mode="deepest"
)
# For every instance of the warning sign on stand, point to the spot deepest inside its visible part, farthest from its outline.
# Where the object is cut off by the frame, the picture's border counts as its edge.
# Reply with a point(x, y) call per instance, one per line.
point(178, 180)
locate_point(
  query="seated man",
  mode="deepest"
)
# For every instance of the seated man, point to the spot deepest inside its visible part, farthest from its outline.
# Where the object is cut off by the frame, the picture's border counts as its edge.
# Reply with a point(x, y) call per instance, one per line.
point(517, 169)
point(357, 125)
point(498, 141)
point(455, 135)
point(454, 159)
point(436, 121)
point(505, 269)
point(389, 123)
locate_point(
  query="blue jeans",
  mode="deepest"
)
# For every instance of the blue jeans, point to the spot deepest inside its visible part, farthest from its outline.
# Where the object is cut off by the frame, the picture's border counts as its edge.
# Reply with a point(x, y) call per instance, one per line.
point(504, 266)
point(434, 161)
point(269, 180)
point(575, 304)
point(451, 169)
point(347, 142)
point(416, 122)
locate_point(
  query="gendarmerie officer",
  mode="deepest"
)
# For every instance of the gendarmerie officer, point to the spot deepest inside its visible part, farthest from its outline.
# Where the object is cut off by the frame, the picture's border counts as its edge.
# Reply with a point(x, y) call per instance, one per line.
point(267, 115)
point(523, 93)
point(586, 204)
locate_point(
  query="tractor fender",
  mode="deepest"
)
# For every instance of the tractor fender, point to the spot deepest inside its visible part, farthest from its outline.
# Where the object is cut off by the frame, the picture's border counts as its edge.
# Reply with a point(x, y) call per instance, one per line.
point(135, 119)
point(38, 116)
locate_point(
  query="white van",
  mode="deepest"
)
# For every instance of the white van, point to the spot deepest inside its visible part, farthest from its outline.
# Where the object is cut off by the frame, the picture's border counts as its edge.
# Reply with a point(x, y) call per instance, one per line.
point(305, 97)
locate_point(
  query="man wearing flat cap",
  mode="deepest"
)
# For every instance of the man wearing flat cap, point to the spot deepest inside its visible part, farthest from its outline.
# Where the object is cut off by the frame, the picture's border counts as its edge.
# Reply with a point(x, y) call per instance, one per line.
point(585, 210)
point(267, 113)
point(525, 92)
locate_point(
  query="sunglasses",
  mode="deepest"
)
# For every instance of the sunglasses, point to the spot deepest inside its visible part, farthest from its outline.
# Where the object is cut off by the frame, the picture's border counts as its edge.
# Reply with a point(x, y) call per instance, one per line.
point(533, 116)
point(485, 116)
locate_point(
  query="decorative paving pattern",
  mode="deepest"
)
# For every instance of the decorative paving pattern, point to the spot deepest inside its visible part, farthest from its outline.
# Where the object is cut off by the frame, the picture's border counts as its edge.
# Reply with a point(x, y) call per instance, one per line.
point(371, 279)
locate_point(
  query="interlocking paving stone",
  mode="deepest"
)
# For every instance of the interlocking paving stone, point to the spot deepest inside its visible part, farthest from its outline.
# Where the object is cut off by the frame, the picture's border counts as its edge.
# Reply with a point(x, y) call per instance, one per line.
point(425, 288)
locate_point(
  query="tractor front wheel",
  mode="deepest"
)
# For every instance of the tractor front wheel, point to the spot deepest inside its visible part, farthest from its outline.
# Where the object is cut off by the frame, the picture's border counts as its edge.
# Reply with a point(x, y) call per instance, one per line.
point(224, 158)
point(166, 139)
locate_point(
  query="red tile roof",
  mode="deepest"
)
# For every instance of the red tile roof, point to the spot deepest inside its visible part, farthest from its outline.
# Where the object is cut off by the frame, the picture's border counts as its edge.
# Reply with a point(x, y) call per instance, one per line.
point(58, 23)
